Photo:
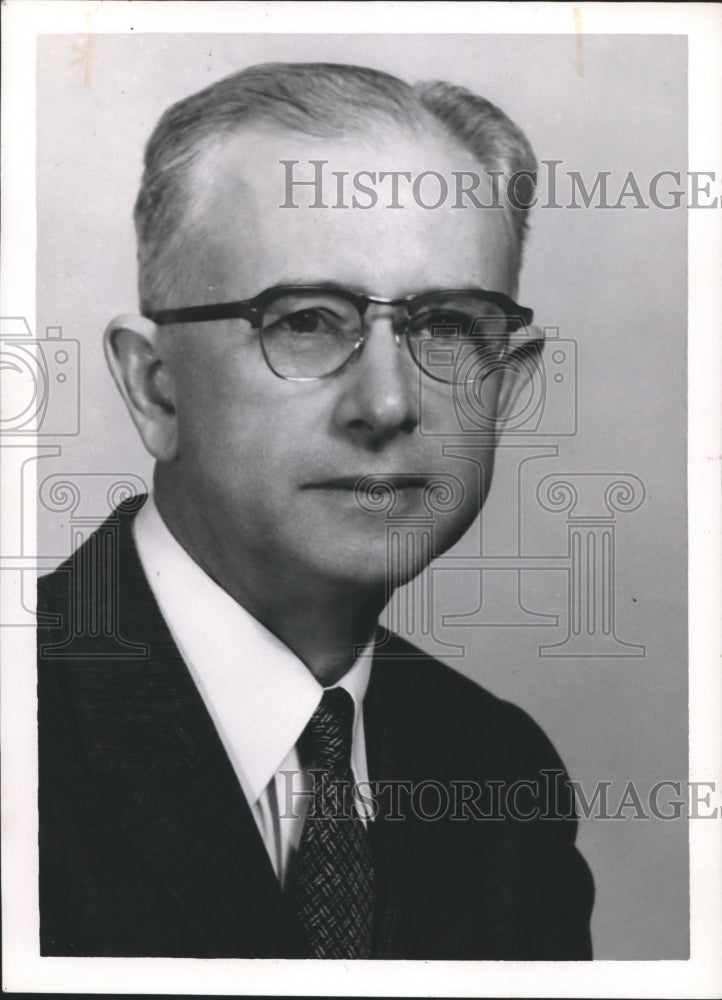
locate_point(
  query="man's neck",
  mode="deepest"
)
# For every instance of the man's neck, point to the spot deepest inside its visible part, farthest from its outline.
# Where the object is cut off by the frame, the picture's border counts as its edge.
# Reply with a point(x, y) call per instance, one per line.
point(325, 623)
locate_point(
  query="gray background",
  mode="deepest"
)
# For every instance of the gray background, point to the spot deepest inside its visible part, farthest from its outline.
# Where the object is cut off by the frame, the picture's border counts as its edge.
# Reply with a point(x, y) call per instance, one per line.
point(612, 281)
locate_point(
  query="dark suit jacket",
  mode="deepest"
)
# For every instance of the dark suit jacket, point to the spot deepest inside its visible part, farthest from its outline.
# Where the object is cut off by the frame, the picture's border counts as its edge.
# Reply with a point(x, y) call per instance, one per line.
point(148, 846)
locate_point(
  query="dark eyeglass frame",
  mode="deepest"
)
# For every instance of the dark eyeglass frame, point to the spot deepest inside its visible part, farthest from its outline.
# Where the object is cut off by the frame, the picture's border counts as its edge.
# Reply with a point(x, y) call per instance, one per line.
point(252, 311)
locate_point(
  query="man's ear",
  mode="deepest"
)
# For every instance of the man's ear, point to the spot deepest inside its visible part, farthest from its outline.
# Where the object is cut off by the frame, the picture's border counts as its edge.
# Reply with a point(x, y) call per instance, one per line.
point(521, 367)
point(132, 351)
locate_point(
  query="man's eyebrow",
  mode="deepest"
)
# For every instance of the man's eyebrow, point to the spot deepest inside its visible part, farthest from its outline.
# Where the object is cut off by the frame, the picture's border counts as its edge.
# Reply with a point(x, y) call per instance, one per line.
point(329, 284)
point(358, 289)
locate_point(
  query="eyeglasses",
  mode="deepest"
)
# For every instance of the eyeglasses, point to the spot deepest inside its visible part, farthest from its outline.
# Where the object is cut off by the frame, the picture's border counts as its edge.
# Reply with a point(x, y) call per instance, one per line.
point(310, 332)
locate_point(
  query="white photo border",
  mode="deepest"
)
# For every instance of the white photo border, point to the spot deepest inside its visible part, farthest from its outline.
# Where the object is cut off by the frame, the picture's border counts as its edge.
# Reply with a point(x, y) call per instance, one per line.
point(700, 976)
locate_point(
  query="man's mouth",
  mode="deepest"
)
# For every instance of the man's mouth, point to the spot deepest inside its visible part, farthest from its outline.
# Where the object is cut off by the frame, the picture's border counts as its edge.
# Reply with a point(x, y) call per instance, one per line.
point(377, 493)
point(373, 482)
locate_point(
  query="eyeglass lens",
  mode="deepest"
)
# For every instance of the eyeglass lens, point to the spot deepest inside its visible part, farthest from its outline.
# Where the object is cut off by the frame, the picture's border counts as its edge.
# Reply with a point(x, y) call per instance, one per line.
point(453, 338)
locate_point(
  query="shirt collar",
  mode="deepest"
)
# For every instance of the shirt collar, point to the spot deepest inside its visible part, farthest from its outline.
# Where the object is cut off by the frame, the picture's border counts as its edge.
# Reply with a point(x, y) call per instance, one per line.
point(258, 692)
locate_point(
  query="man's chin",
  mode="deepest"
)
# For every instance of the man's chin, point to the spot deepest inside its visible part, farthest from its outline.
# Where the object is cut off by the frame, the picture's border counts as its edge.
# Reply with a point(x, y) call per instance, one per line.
point(382, 562)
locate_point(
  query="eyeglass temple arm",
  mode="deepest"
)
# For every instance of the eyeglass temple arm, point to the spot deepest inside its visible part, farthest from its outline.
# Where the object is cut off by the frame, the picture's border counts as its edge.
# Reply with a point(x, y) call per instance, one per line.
point(199, 314)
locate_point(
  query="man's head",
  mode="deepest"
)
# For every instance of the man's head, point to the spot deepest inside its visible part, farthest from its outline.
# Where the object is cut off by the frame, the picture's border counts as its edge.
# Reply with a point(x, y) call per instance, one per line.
point(322, 100)
point(256, 471)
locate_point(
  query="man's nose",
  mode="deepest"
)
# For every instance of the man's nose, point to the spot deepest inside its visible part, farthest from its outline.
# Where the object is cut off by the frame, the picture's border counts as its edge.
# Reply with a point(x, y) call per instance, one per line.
point(380, 389)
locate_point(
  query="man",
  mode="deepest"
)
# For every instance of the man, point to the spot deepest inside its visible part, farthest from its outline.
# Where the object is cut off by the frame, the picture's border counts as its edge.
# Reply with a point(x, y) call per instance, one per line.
point(251, 777)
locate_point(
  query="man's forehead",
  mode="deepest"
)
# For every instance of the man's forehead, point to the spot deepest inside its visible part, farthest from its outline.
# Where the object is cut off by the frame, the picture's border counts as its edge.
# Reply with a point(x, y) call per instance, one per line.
point(265, 159)
point(285, 203)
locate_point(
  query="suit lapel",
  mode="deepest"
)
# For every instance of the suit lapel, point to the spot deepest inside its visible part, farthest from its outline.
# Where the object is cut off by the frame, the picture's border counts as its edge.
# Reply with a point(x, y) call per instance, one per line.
point(190, 821)
point(400, 750)
point(144, 723)
point(386, 763)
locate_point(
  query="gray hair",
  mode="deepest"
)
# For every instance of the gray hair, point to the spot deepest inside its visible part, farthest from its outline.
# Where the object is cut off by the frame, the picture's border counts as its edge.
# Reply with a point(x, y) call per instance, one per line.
point(318, 99)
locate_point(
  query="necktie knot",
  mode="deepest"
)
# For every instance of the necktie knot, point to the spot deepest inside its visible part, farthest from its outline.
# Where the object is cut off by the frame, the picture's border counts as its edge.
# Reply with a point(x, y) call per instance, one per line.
point(331, 727)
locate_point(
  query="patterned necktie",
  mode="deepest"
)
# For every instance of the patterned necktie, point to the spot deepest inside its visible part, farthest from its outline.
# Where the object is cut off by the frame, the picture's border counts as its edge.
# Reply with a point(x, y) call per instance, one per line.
point(332, 890)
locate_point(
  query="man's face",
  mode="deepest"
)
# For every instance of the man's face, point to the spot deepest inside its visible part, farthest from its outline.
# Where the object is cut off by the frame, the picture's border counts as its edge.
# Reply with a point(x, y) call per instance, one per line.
point(266, 467)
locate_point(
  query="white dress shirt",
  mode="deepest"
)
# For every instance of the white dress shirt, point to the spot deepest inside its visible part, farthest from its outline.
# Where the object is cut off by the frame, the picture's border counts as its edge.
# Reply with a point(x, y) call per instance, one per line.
point(259, 694)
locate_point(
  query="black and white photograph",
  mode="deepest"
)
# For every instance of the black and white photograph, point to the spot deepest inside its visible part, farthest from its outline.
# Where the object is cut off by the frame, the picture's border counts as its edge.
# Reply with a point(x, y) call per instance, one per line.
point(360, 442)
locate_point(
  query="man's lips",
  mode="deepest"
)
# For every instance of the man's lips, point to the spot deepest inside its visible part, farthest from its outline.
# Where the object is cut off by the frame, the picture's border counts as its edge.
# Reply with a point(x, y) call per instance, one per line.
point(372, 481)
point(392, 493)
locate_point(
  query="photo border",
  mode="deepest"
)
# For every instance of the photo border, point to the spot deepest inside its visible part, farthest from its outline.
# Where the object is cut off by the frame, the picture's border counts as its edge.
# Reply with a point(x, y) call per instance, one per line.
point(700, 976)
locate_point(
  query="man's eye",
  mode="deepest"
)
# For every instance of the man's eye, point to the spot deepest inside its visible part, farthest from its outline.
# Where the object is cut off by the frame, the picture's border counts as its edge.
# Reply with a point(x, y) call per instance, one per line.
point(305, 321)
point(314, 320)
